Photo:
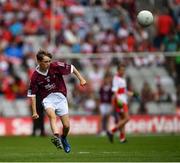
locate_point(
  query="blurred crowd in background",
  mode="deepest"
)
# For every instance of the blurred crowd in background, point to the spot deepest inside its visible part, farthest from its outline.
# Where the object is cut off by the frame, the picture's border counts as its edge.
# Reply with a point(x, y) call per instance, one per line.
point(101, 29)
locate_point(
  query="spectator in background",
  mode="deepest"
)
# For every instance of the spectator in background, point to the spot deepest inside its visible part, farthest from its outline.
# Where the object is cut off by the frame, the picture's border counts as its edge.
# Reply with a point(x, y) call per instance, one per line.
point(164, 25)
point(96, 74)
point(174, 7)
point(161, 95)
point(147, 95)
point(171, 42)
point(7, 88)
point(19, 87)
point(15, 48)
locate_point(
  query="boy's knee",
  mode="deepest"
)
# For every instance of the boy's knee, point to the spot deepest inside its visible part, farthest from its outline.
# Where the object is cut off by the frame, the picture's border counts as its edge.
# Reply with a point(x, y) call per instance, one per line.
point(127, 118)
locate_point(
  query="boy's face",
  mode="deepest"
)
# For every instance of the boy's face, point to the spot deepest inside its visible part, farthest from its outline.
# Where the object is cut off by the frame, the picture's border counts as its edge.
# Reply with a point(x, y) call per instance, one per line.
point(121, 71)
point(45, 63)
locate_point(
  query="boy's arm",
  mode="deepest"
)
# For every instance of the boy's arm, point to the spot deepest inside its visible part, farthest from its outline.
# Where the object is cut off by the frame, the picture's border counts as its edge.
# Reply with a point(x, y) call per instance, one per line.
point(33, 107)
point(79, 76)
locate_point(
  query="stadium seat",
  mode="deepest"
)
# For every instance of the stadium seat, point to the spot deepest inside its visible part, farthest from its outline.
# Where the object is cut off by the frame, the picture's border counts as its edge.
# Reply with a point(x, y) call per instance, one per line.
point(167, 108)
point(8, 108)
point(152, 108)
point(22, 107)
point(134, 108)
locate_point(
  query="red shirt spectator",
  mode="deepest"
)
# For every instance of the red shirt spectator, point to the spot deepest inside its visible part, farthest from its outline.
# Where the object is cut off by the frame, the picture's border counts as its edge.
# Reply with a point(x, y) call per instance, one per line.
point(164, 24)
point(131, 42)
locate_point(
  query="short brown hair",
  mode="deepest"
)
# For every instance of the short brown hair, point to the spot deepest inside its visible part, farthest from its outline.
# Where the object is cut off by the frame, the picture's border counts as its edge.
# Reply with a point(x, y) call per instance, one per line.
point(41, 53)
point(121, 65)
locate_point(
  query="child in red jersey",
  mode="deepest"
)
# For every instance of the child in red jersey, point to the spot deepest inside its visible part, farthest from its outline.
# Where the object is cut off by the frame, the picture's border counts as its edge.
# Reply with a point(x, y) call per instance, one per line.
point(120, 103)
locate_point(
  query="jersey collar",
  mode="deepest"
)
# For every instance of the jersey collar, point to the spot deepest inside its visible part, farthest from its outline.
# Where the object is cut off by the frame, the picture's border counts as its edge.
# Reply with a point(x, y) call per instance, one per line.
point(40, 72)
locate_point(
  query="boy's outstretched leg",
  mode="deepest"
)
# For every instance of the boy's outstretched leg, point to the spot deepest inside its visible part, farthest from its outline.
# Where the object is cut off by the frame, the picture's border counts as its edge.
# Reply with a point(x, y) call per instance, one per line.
point(52, 118)
point(66, 145)
point(57, 142)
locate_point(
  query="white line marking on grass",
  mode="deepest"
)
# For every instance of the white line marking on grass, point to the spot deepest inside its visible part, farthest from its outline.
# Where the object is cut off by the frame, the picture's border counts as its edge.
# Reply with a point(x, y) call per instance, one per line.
point(109, 152)
point(105, 152)
point(83, 152)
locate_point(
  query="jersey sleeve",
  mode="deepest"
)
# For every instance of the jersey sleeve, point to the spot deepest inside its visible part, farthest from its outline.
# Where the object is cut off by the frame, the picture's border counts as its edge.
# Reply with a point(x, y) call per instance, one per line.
point(33, 88)
point(64, 68)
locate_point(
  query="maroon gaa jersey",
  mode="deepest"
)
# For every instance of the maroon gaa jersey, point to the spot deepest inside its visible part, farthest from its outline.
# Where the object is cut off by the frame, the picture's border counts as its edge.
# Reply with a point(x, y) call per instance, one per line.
point(42, 84)
point(105, 93)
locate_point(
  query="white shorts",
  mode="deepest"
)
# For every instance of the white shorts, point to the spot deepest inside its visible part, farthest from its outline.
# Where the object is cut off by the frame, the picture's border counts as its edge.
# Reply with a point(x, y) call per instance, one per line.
point(105, 108)
point(56, 101)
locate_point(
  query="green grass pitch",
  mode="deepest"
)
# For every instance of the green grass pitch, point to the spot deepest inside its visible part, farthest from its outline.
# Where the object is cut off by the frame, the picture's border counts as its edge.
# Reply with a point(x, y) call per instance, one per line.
point(92, 149)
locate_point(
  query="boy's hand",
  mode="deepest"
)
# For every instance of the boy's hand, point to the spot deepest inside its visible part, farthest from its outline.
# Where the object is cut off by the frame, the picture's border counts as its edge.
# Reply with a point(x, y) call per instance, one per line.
point(35, 116)
point(83, 82)
point(136, 95)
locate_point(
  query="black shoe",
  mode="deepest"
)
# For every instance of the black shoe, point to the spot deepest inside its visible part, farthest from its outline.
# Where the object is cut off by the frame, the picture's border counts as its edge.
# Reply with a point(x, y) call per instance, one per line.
point(66, 145)
point(110, 136)
point(123, 141)
point(57, 142)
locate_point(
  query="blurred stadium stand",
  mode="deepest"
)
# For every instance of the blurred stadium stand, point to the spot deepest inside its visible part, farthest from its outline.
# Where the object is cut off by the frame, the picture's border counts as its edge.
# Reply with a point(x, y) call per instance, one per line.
point(94, 35)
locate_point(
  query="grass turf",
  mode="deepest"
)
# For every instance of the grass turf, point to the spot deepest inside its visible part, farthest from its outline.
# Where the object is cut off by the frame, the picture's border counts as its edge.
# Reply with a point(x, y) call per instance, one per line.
point(91, 149)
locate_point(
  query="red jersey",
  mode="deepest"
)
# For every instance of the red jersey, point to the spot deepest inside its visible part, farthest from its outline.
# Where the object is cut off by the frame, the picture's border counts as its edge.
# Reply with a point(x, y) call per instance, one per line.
point(42, 84)
point(165, 23)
